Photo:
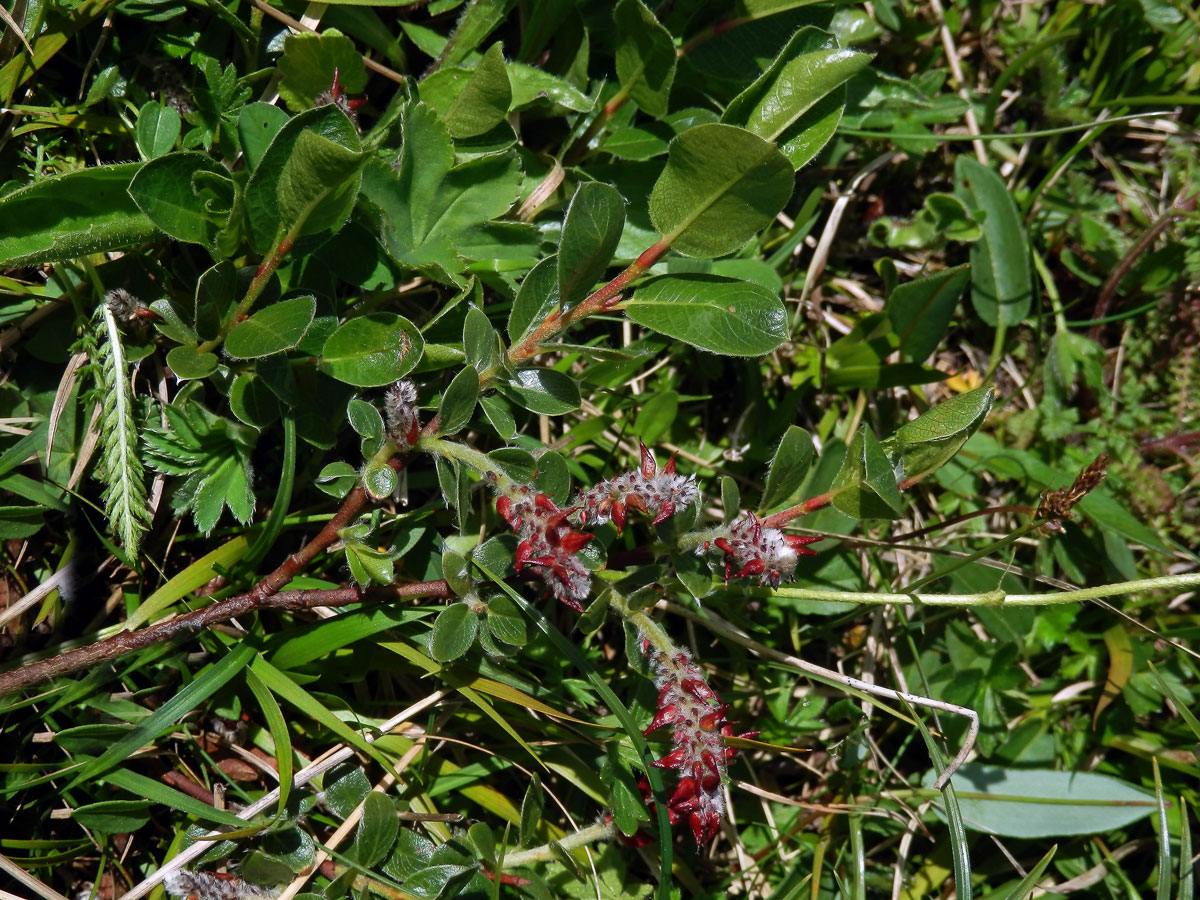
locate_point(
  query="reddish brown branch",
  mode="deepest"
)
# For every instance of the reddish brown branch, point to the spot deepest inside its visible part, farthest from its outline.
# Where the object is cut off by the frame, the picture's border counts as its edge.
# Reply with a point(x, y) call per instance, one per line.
point(132, 641)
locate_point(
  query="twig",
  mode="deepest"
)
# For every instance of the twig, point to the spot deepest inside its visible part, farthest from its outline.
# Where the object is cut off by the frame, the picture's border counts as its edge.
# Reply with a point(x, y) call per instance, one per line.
point(131, 641)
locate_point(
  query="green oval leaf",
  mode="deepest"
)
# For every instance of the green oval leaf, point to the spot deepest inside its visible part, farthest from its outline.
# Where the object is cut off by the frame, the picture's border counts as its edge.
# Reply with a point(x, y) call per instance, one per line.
point(372, 350)
point(645, 56)
point(165, 190)
point(279, 327)
point(591, 231)
point(920, 310)
point(789, 466)
point(257, 125)
point(1001, 281)
point(188, 363)
point(721, 315)
point(544, 391)
point(377, 829)
point(309, 63)
point(453, 632)
point(72, 215)
point(798, 101)
point(930, 440)
point(114, 816)
point(507, 621)
point(536, 298)
point(458, 401)
point(865, 486)
point(720, 187)
point(158, 128)
point(1039, 803)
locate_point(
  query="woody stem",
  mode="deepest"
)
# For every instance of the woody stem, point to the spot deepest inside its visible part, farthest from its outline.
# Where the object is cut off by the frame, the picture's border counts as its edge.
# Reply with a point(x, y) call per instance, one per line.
point(601, 831)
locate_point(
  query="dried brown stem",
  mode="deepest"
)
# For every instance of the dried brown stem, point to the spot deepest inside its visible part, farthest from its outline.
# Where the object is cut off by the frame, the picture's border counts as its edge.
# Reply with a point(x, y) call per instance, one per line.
point(1109, 290)
point(131, 641)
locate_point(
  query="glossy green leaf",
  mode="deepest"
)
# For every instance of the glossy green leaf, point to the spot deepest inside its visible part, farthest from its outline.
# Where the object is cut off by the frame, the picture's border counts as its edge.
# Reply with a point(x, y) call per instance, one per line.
point(67, 216)
point(336, 479)
point(499, 413)
point(645, 57)
point(798, 101)
point(158, 128)
point(309, 62)
point(865, 487)
point(920, 310)
point(544, 391)
point(257, 125)
point(188, 363)
point(263, 215)
point(165, 189)
point(933, 438)
point(721, 315)
point(480, 341)
point(536, 298)
point(216, 295)
point(319, 184)
point(372, 350)
point(279, 327)
point(789, 466)
point(720, 187)
point(1039, 803)
point(591, 230)
point(470, 101)
point(1001, 280)
point(458, 401)
point(376, 830)
point(454, 632)
point(518, 464)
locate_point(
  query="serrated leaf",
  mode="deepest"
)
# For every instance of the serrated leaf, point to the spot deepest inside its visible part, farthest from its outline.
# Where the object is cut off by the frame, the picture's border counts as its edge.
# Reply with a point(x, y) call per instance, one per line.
point(1001, 280)
point(454, 632)
point(789, 466)
point(279, 327)
point(644, 57)
point(72, 215)
point(720, 187)
point(372, 350)
point(458, 401)
point(470, 101)
point(309, 64)
point(721, 315)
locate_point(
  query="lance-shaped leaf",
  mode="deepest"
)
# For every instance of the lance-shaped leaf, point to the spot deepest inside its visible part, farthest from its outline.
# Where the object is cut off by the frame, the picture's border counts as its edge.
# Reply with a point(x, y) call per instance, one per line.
point(788, 467)
point(920, 310)
point(72, 215)
point(720, 187)
point(645, 57)
point(930, 440)
point(865, 486)
point(799, 100)
point(458, 401)
point(591, 231)
point(721, 315)
point(1001, 282)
